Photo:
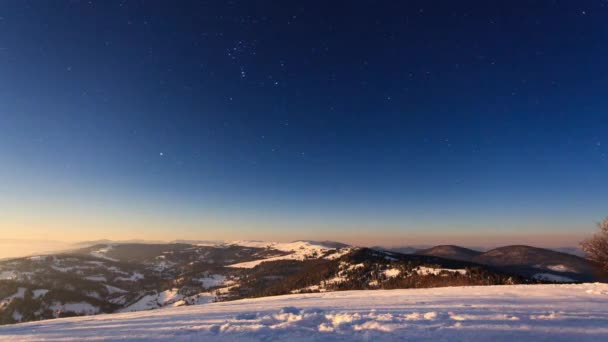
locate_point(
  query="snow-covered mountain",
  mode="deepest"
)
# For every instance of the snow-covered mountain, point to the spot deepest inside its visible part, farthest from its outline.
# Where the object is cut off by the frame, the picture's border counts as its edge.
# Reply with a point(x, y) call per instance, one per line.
point(127, 277)
point(483, 313)
point(297, 250)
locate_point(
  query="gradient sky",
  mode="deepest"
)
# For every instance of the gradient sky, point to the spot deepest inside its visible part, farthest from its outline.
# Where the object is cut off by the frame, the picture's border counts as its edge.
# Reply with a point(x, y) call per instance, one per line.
point(348, 120)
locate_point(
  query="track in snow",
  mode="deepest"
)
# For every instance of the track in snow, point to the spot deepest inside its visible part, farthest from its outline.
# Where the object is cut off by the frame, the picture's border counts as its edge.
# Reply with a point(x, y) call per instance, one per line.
point(497, 313)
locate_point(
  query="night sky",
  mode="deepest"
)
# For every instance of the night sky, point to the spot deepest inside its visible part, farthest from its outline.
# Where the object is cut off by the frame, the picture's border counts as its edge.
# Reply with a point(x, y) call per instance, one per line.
point(359, 121)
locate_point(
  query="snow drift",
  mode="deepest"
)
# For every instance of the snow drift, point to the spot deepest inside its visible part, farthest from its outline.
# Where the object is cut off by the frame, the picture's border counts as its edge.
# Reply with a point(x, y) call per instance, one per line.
point(497, 313)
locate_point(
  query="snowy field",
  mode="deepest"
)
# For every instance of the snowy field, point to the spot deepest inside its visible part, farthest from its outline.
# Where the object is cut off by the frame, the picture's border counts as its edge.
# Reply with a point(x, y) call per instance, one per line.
point(496, 313)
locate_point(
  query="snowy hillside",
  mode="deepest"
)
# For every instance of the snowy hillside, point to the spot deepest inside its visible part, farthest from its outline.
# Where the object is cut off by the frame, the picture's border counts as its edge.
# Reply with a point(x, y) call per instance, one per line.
point(497, 313)
point(297, 250)
point(111, 278)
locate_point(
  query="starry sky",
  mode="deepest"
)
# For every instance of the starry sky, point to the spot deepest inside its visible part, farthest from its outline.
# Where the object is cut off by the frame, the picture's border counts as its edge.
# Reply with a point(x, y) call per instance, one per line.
point(359, 121)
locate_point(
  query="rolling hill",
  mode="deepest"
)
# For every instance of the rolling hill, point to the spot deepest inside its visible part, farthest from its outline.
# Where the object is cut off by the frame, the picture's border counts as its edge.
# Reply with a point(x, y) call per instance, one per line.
point(538, 263)
point(451, 252)
point(125, 277)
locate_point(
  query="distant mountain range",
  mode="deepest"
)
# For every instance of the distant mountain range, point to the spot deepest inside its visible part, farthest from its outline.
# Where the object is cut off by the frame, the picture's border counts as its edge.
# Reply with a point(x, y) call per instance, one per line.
point(451, 252)
point(415, 249)
point(116, 277)
point(520, 259)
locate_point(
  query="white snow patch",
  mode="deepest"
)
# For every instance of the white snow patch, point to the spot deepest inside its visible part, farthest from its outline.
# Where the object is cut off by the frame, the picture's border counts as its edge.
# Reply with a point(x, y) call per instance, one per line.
point(117, 270)
point(93, 294)
point(19, 294)
point(147, 302)
point(355, 266)
point(559, 268)
point(96, 263)
point(338, 253)
point(213, 280)
point(391, 273)
point(169, 296)
point(96, 278)
point(201, 298)
point(113, 289)
point(101, 253)
point(336, 280)
point(38, 258)
point(8, 275)
point(121, 300)
point(163, 265)
point(546, 316)
point(62, 269)
point(17, 316)
point(421, 270)
point(81, 308)
point(154, 301)
point(134, 277)
point(430, 315)
point(312, 288)
point(39, 293)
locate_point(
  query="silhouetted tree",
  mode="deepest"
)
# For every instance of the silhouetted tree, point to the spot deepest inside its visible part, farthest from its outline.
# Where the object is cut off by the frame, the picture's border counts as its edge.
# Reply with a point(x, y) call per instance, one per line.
point(597, 246)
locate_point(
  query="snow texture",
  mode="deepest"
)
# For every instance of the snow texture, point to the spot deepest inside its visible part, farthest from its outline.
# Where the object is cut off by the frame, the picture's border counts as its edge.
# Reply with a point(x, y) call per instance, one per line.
point(38, 293)
point(299, 250)
point(213, 280)
point(391, 273)
point(559, 268)
point(101, 253)
point(113, 289)
point(484, 313)
point(7, 301)
point(134, 277)
point(436, 271)
point(8, 275)
point(155, 301)
point(82, 308)
point(96, 278)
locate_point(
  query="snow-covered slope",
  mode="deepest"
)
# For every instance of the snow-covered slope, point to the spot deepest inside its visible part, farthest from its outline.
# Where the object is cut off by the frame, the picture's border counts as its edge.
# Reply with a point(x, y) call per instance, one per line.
point(496, 313)
point(298, 250)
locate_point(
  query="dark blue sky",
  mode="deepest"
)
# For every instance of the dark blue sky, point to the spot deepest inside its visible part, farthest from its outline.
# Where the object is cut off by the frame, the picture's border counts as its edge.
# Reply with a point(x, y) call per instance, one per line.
point(216, 119)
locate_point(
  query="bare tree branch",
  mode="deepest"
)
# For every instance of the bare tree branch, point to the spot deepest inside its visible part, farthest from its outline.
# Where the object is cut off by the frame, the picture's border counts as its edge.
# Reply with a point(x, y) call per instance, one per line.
point(597, 246)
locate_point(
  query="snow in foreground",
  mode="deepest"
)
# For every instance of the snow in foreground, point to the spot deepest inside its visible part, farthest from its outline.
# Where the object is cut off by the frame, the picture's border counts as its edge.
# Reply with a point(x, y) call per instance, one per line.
point(497, 313)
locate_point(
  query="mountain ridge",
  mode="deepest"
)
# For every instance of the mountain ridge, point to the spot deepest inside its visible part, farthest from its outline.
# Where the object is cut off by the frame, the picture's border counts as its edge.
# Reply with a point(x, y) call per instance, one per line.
point(113, 277)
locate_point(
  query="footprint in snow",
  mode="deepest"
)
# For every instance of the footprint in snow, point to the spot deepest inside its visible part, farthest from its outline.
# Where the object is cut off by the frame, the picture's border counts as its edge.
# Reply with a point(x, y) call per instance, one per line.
point(290, 310)
point(246, 316)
